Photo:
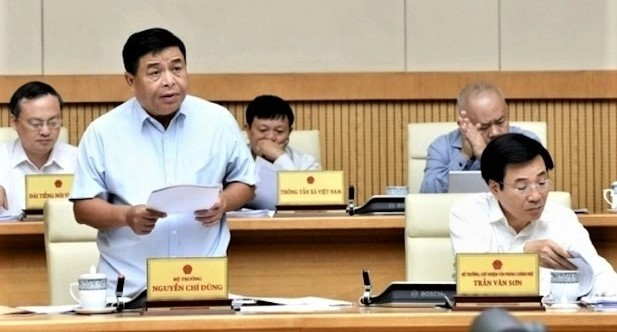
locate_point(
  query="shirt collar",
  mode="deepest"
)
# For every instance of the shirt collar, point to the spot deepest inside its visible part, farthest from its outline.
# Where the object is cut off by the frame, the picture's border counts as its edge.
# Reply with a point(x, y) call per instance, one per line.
point(143, 116)
point(495, 213)
point(456, 139)
point(20, 157)
point(18, 154)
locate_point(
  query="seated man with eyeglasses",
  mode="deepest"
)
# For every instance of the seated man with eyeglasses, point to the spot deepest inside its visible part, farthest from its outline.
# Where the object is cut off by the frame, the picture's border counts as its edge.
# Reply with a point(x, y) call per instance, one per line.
point(36, 115)
point(515, 215)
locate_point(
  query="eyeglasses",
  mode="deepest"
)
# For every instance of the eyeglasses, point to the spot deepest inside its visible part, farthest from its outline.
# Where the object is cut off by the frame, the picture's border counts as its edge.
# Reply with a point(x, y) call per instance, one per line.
point(525, 189)
point(37, 125)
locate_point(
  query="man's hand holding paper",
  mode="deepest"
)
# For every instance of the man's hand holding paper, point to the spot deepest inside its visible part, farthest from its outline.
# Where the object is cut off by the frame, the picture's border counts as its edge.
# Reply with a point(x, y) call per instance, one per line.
point(551, 254)
point(211, 216)
point(142, 220)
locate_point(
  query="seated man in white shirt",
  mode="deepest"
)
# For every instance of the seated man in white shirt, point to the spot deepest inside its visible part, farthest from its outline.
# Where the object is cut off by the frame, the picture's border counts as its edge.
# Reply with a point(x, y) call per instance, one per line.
point(36, 115)
point(269, 122)
point(515, 215)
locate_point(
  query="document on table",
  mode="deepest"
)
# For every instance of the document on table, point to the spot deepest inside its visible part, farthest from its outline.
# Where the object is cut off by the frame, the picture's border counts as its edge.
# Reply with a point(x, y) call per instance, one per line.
point(307, 300)
point(11, 217)
point(53, 309)
point(282, 304)
point(183, 198)
point(250, 213)
point(600, 303)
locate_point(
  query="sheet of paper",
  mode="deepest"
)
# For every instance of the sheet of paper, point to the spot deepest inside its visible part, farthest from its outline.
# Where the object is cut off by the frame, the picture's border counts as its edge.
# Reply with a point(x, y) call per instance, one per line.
point(585, 273)
point(287, 308)
point(600, 303)
point(9, 216)
point(265, 191)
point(6, 310)
point(183, 198)
point(250, 213)
point(307, 300)
point(52, 309)
point(601, 300)
point(285, 304)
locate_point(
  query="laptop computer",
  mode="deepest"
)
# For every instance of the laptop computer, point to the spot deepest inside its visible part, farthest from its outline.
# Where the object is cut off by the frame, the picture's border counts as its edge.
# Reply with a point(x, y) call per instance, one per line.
point(466, 182)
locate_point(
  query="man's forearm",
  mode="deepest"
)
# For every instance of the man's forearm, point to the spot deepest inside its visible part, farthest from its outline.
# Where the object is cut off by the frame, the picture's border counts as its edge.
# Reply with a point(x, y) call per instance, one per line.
point(100, 214)
point(237, 194)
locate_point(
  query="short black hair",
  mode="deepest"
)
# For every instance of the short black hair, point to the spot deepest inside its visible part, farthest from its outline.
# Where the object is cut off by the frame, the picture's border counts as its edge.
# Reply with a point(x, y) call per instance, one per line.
point(269, 107)
point(145, 42)
point(29, 91)
point(509, 149)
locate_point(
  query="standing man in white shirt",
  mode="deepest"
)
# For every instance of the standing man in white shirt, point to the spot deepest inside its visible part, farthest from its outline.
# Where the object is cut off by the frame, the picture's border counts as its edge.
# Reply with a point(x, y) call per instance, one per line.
point(161, 137)
point(36, 115)
point(269, 122)
point(515, 215)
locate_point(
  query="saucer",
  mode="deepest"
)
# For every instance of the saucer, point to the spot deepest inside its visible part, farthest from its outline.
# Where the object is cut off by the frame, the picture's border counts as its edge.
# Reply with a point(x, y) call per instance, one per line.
point(611, 210)
point(91, 311)
point(549, 303)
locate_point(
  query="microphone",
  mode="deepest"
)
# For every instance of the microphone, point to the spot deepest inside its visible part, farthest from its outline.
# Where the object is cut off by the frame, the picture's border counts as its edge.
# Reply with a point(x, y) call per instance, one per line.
point(366, 296)
point(119, 291)
point(350, 208)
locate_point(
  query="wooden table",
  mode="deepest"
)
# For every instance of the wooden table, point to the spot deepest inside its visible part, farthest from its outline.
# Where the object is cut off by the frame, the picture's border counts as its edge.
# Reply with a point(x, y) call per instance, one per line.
point(283, 256)
point(352, 319)
point(602, 229)
point(291, 256)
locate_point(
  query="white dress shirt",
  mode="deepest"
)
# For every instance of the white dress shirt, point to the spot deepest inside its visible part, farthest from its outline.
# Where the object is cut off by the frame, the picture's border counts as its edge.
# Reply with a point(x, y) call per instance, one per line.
point(125, 154)
point(14, 165)
point(266, 188)
point(478, 225)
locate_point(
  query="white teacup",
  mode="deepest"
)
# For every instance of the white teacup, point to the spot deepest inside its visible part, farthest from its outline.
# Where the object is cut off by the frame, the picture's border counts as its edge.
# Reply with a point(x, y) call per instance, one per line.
point(92, 290)
point(396, 190)
point(610, 195)
point(564, 286)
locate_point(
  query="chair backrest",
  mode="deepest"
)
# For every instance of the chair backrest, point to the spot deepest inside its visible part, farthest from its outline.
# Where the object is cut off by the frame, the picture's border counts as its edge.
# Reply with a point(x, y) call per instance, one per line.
point(70, 249)
point(421, 135)
point(428, 249)
point(560, 197)
point(307, 141)
point(8, 135)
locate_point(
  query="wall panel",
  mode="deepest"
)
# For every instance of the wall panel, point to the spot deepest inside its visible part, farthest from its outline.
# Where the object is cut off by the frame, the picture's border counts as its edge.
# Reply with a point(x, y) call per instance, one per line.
point(228, 36)
point(366, 137)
